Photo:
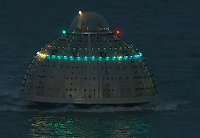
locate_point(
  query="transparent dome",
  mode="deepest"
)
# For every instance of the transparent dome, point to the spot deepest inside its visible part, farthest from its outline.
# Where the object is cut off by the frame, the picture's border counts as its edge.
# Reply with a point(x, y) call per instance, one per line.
point(89, 22)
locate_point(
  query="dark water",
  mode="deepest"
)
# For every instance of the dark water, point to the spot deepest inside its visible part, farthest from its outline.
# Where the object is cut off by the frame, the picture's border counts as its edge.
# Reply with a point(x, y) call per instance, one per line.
point(166, 32)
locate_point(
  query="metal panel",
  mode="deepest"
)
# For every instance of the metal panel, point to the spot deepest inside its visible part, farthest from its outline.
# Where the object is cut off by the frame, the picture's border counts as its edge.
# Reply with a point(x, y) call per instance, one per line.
point(108, 79)
point(90, 80)
point(72, 80)
point(101, 80)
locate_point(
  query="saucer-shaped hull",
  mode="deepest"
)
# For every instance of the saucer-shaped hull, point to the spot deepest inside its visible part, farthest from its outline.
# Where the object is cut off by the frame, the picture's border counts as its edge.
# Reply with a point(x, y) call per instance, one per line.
point(89, 68)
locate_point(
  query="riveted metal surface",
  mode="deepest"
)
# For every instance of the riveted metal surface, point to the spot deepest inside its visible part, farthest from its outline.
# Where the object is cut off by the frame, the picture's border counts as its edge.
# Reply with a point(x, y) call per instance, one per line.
point(81, 66)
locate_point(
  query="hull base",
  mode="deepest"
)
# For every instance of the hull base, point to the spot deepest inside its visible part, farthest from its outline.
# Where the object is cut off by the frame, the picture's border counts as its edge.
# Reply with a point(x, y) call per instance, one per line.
point(45, 103)
point(48, 106)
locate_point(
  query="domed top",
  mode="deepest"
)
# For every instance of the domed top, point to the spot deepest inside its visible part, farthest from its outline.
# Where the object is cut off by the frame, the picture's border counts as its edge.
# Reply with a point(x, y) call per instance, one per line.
point(89, 22)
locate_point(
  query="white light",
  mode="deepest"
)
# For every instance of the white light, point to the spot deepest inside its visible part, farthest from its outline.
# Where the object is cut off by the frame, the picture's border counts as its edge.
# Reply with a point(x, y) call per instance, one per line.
point(80, 12)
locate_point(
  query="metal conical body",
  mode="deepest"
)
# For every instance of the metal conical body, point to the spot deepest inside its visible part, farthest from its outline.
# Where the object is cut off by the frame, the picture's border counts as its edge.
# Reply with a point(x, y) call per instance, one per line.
point(89, 68)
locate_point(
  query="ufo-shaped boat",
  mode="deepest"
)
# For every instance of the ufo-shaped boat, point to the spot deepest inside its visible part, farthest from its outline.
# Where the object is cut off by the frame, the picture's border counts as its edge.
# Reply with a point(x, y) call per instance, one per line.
point(89, 65)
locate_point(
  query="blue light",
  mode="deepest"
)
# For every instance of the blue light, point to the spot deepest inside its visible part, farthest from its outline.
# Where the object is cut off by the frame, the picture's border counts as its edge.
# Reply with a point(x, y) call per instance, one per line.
point(126, 57)
point(93, 58)
point(100, 58)
point(59, 57)
point(78, 58)
point(71, 58)
point(135, 56)
point(107, 58)
point(85, 58)
point(48, 56)
point(120, 58)
point(114, 58)
point(53, 56)
point(64, 32)
point(140, 54)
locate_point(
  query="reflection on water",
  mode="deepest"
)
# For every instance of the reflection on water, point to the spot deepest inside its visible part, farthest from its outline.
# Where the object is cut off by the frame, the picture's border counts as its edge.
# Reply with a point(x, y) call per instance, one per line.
point(86, 125)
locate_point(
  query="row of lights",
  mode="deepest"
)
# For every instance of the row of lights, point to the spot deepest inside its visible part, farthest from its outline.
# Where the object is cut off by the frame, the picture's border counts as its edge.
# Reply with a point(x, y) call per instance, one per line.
point(93, 58)
point(117, 31)
point(129, 47)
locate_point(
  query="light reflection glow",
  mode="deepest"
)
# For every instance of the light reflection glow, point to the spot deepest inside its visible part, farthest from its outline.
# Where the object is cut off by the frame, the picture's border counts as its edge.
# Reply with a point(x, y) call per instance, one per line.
point(76, 126)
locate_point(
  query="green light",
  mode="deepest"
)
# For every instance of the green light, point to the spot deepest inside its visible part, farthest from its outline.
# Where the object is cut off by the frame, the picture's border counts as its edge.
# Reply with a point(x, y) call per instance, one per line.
point(78, 58)
point(100, 58)
point(48, 56)
point(93, 58)
point(126, 57)
point(85, 58)
point(64, 32)
point(65, 57)
point(59, 57)
point(120, 58)
point(71, 58)
point(114, 58)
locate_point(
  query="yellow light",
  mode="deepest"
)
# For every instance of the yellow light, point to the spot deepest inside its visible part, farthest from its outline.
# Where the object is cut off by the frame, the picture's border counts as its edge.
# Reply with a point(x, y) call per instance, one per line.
point(80, 12)
point(41, 55)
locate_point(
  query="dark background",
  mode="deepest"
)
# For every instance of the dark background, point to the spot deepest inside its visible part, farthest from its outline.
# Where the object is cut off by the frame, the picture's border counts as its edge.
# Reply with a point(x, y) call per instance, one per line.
point(166, 32)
